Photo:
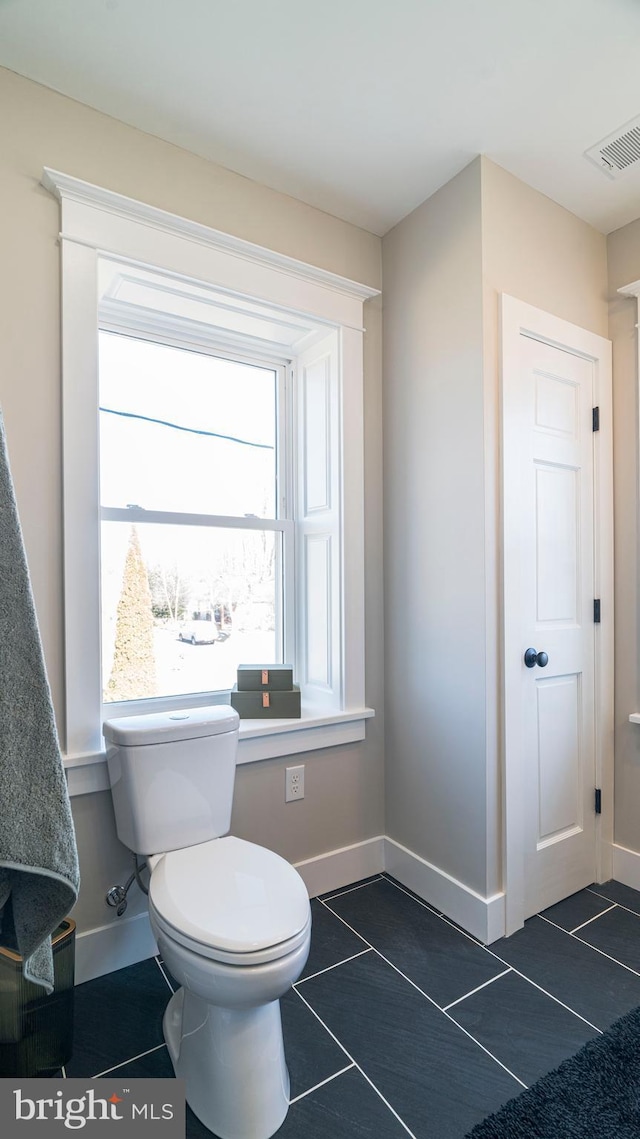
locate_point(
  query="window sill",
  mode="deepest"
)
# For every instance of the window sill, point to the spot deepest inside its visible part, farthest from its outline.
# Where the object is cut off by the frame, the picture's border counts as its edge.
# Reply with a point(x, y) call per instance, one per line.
point(259, 739)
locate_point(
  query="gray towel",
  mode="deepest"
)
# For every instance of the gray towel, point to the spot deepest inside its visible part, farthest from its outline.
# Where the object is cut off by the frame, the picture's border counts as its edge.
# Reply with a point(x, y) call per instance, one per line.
point(38, 854)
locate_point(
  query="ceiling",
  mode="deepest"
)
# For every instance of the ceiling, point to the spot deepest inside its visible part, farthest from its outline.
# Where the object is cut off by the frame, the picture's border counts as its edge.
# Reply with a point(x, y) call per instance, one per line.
point(362, 108)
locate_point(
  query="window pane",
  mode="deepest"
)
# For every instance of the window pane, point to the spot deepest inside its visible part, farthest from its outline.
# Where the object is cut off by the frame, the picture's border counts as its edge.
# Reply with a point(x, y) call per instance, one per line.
point(183, 431)
point(183, 606)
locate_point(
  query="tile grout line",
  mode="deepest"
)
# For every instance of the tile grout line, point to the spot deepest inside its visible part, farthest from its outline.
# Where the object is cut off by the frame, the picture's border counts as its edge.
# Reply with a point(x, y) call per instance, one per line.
point(595, 918)
point(349, 889)
point(159, 964)
point(620, 905)
point(330, 967)
point(434, 1003)
point(321, 1084)
point(439, 914)
point(123, 1063)
point(491, 953)
point(420, 901)
point(546, 991)
point(569, 933)
point(357, 1066)
point(325, 1026)
point(385, 1101)
point(445, 1008)
point(588, 944)
point(388, 962)
point(454, 1021)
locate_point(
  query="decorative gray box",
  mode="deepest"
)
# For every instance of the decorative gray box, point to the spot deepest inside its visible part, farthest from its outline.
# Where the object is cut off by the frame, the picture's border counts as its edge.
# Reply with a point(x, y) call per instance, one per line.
point(265, 677)
point(272, 705)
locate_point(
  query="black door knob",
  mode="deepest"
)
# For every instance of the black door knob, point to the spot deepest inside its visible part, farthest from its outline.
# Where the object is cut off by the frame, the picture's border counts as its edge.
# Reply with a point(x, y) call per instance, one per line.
point(531, 658)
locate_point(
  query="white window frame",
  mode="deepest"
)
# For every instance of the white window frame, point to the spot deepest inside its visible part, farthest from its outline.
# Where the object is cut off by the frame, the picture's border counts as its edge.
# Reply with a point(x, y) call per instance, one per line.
point(95, 222)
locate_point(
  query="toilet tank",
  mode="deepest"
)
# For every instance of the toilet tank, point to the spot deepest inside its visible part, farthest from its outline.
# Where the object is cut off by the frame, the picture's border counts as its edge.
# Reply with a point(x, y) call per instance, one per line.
point(172, 776)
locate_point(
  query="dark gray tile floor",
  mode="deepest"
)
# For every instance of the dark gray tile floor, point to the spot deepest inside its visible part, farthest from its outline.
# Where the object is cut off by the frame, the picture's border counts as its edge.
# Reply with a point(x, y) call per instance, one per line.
point(402, 1024)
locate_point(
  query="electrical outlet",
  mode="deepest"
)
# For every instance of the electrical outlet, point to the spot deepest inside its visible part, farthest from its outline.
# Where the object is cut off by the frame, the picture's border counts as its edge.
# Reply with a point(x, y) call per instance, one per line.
point(294, 783)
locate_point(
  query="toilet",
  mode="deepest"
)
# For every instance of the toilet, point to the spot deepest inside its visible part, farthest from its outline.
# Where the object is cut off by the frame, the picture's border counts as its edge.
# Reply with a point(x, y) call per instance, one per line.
point(232, 919)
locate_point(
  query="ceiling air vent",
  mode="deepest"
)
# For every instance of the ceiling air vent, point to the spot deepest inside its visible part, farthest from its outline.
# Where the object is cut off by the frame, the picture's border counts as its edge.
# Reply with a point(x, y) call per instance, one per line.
point(618, 152)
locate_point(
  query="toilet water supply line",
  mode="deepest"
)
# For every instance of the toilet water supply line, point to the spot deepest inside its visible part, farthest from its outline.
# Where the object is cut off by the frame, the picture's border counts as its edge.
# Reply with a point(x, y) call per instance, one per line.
point(116, 896)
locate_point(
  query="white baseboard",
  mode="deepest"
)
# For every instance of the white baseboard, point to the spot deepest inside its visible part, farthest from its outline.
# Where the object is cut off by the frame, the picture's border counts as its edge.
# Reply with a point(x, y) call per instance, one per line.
point(483, 917)
point(626, 866)
point(110, 947)
point(343, 866)
point(129, 940)
point(125, 942)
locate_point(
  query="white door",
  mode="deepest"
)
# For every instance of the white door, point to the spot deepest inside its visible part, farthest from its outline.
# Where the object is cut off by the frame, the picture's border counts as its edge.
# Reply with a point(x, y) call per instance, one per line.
point(552, 378)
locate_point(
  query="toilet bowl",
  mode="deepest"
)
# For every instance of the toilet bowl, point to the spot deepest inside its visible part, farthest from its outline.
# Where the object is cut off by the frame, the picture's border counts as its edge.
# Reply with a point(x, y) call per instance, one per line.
point(232, 919)
point(233, 926)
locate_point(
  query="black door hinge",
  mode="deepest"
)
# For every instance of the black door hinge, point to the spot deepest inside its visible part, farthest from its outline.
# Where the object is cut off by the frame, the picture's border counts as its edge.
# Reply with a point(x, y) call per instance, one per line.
point(595, 418)
point(598, 803)
point(596, 611)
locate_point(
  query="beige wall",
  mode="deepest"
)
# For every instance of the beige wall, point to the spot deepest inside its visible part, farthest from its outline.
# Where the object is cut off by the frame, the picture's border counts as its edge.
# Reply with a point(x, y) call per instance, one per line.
point(624, 268)
point(434, 531)
point(444, 267)
point(40, 128)
point(540, 253)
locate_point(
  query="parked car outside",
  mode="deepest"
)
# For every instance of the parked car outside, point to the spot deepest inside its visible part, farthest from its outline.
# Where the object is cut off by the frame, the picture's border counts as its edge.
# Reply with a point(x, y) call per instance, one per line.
point(200, 630)
point(205, 627)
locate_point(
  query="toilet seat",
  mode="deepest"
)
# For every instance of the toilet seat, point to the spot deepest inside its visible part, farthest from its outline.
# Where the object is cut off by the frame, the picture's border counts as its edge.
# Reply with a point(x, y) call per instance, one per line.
point(257, 911)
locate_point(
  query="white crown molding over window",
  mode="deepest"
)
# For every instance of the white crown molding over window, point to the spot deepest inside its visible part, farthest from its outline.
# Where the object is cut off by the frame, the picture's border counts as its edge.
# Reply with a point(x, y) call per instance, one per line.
point(97, 224)
point(72, 189)
point(83, 203)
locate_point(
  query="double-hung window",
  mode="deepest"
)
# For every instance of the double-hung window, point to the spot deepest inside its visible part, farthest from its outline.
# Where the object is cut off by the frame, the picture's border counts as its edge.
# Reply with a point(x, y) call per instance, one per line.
point(197, 530)
point(213, 476)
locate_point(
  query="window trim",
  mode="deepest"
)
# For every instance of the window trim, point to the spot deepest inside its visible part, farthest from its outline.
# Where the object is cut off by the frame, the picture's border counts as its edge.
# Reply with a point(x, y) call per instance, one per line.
point(95, 222)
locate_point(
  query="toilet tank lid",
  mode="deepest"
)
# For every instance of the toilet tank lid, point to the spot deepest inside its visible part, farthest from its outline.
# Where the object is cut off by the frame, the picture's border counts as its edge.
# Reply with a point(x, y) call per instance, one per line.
point(165, 727)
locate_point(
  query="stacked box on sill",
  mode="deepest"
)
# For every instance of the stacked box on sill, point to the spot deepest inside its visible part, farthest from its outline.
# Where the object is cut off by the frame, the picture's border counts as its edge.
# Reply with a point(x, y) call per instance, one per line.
point(266, 691)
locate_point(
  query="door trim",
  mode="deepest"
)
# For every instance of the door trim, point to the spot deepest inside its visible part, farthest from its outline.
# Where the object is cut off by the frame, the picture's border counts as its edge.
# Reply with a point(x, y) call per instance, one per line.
point(517, 318)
